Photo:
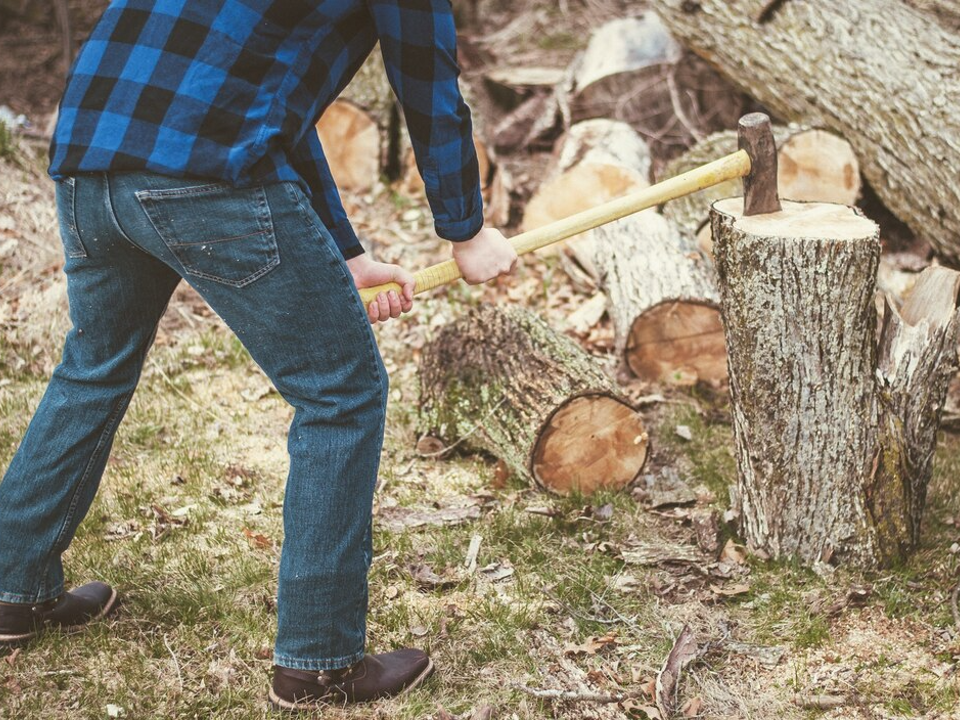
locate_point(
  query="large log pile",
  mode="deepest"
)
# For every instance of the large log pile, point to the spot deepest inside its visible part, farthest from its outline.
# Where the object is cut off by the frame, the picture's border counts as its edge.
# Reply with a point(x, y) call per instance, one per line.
point(834, 438)
point(501, 381)
point(840, 66)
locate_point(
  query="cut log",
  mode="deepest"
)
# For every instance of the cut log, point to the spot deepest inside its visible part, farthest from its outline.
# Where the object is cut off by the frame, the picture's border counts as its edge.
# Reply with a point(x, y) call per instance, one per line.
point(597, 161)
point(502, 381)
point(662, 299)
point(361, 131)
point(510, 86)
point(352, 145)
point(834, 438)
point(494, 182)
point(633, 70)
point(845, 67)
point(814, 166)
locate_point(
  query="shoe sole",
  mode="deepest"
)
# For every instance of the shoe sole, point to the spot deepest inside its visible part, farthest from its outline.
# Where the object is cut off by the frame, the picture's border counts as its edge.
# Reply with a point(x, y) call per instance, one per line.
point(109, 607)
point(278, 703)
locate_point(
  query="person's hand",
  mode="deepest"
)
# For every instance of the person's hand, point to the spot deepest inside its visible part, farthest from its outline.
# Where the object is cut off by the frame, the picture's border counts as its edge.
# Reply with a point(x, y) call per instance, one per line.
point(486, 255)
point(367, 273)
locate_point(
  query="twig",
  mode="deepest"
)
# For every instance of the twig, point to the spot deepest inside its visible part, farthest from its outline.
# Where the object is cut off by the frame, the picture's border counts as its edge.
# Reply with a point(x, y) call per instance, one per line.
point(574, 696)
point(471, 560)
point(953, 605)
point(175, 662)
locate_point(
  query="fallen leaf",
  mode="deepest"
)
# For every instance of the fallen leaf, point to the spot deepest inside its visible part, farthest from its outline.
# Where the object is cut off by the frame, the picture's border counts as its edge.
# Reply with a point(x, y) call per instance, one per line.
point(591, 646)
point(501, 473)
point(257, 540)
point(495, 572)
point(12, 657)
point(692, 707)
point(733, 553)
point(429, 446)
point(668, 680)
point(427, 579)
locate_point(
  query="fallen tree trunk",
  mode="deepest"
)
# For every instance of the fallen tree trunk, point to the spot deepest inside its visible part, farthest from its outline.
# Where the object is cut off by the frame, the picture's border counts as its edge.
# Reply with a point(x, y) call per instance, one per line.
point(813, 166)
point(633, 70)
point(834, 438)
point(662, 299)
point(845, 67)
point(502, 381)
point(597, 161)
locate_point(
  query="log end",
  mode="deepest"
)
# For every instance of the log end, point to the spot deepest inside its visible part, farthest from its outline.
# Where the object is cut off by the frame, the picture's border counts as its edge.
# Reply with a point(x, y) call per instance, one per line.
point(800, 221)
point(589, 443)
point(678, 341)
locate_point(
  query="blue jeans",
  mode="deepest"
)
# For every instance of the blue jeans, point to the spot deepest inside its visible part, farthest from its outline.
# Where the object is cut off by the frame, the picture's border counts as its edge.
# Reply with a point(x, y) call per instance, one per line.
point(261, 258)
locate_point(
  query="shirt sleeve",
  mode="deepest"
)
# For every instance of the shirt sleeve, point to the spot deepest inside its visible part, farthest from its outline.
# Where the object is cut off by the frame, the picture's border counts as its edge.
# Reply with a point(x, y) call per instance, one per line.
point(418, 40)
point(311, 164)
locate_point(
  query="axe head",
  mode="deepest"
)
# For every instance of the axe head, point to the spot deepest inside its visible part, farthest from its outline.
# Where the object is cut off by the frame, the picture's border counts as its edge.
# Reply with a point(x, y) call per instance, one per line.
point(760, 194)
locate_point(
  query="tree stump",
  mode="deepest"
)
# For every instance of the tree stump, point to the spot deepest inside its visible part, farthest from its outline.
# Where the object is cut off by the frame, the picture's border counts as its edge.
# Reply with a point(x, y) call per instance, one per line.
point(834, 438)
point(662, 299)
point(502, 381)
point(813, 166)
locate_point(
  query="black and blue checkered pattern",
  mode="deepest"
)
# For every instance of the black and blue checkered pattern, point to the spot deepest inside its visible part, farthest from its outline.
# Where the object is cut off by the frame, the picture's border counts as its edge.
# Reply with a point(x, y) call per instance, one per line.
point(232, 89)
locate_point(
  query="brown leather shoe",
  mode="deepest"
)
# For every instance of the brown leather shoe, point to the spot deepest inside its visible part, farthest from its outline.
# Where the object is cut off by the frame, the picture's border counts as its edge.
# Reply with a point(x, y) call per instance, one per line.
point(373, 678)
point(21, 622)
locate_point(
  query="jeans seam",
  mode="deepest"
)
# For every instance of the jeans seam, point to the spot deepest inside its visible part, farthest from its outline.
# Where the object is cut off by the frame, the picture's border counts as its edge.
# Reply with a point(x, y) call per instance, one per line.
point(112, 214)
point(9, 597)
point(325, 664)
point(84, 479)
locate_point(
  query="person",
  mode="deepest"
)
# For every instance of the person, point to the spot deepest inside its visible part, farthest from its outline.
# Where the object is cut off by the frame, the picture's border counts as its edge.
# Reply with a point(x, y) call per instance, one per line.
point(185, 149)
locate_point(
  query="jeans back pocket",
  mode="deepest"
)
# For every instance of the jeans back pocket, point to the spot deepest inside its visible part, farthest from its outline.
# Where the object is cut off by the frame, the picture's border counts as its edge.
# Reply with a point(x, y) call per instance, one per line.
point(67, 217)
point(216, 231)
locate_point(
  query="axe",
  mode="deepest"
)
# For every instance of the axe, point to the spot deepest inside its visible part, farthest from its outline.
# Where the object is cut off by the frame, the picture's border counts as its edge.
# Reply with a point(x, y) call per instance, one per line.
point(755, 162)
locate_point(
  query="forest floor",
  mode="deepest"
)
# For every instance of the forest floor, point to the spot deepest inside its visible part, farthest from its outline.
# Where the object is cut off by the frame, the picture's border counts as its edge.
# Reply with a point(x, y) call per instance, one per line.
point(187, 525)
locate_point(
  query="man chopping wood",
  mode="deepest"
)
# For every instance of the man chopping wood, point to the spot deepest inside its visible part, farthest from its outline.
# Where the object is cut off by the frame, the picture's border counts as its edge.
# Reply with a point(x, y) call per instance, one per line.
point(185, 148)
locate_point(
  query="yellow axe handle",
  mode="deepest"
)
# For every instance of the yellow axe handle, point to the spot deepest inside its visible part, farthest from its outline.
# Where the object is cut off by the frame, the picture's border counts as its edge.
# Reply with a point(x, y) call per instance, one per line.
point(730, 167)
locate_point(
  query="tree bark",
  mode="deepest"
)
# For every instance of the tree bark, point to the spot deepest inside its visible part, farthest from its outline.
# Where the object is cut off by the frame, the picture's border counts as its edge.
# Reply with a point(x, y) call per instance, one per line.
point(833, 440)
point(662, 299)
point(502, 381)
point(845, 67)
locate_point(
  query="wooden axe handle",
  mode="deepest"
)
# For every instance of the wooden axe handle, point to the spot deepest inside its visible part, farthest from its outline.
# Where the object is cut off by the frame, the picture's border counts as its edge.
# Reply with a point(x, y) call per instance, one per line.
point(730, 167)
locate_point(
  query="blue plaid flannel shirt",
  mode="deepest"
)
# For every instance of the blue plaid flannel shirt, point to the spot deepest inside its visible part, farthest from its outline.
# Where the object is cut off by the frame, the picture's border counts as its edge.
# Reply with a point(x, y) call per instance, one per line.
point(232, 89)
